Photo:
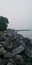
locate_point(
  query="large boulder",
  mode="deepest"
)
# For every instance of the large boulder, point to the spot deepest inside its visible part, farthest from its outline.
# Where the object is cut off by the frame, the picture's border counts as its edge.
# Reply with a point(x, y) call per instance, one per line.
point(20, 59)
point(2, 50)
point(18, 50)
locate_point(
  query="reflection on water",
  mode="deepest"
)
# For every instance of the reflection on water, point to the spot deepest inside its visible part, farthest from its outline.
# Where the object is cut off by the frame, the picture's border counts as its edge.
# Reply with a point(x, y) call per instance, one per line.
point(26, 33)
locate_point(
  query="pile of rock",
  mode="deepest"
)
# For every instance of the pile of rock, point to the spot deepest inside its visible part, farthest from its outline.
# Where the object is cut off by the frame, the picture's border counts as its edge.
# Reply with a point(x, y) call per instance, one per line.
point(15, 49)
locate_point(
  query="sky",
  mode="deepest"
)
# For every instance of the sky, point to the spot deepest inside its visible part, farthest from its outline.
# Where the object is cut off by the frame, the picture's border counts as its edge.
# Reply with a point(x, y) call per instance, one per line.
point(18, 12)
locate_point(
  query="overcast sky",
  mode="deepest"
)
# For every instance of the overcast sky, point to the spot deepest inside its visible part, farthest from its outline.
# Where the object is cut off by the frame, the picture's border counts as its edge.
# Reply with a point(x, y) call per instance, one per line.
point(18, 12)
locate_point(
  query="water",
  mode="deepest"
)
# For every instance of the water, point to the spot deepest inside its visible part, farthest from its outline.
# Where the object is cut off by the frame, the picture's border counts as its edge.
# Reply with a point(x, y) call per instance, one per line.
point(26, 34)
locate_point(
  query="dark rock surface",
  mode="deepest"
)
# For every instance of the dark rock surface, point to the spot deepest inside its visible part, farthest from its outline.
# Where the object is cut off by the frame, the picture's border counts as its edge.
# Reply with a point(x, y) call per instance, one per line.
point(15, 49)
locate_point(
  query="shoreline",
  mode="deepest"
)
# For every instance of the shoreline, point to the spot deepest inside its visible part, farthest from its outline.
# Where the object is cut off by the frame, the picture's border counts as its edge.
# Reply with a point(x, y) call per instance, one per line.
point(16, 44)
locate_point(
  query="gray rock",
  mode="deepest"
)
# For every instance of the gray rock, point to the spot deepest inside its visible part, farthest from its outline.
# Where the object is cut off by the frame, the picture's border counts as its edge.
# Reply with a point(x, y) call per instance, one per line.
point(8, 55)
point(12, 61)
point(0, 61)
point(2, 50)
point(22, 43)
point(4, 61)
point(9, 64)
point(19, 44)
point(20, 58)
point(18, 50)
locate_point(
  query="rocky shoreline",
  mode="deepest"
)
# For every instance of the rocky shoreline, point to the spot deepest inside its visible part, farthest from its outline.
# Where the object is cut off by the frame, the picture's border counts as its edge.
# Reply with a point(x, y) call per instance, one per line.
point(15, 48)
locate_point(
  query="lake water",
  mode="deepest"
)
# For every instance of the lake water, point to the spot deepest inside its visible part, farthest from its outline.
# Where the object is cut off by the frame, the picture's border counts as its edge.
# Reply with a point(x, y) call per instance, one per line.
point(26, 34)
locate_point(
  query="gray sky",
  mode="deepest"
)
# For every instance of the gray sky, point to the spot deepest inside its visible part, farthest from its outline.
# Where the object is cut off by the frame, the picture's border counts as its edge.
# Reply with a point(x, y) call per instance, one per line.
point(18, 12)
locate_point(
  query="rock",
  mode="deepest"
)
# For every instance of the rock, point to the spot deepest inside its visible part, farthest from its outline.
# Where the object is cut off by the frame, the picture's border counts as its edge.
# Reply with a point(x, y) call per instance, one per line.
point(20, 58)
point(21, 42)
point(18, 50)
point(4, 61)
point(12, 61)
point(2, 50)
point(0, 61)
point(15, 49)
point(28, 53)
point(9, 64)
point(8, 55)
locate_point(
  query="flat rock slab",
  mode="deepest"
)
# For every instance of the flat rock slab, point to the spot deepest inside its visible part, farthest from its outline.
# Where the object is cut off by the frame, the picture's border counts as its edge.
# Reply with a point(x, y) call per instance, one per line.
point(18, 50)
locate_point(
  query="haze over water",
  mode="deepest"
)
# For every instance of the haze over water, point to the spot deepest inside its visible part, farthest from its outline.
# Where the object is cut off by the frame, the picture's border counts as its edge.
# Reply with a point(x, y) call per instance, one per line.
point(27, 34)
point(19, 14)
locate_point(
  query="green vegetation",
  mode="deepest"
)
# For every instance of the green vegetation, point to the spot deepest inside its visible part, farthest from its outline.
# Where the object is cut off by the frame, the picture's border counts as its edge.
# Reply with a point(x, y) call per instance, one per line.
point(3, 23)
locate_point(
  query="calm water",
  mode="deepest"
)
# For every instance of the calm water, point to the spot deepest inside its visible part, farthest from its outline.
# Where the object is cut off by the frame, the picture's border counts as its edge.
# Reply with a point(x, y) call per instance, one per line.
point(26, 34)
